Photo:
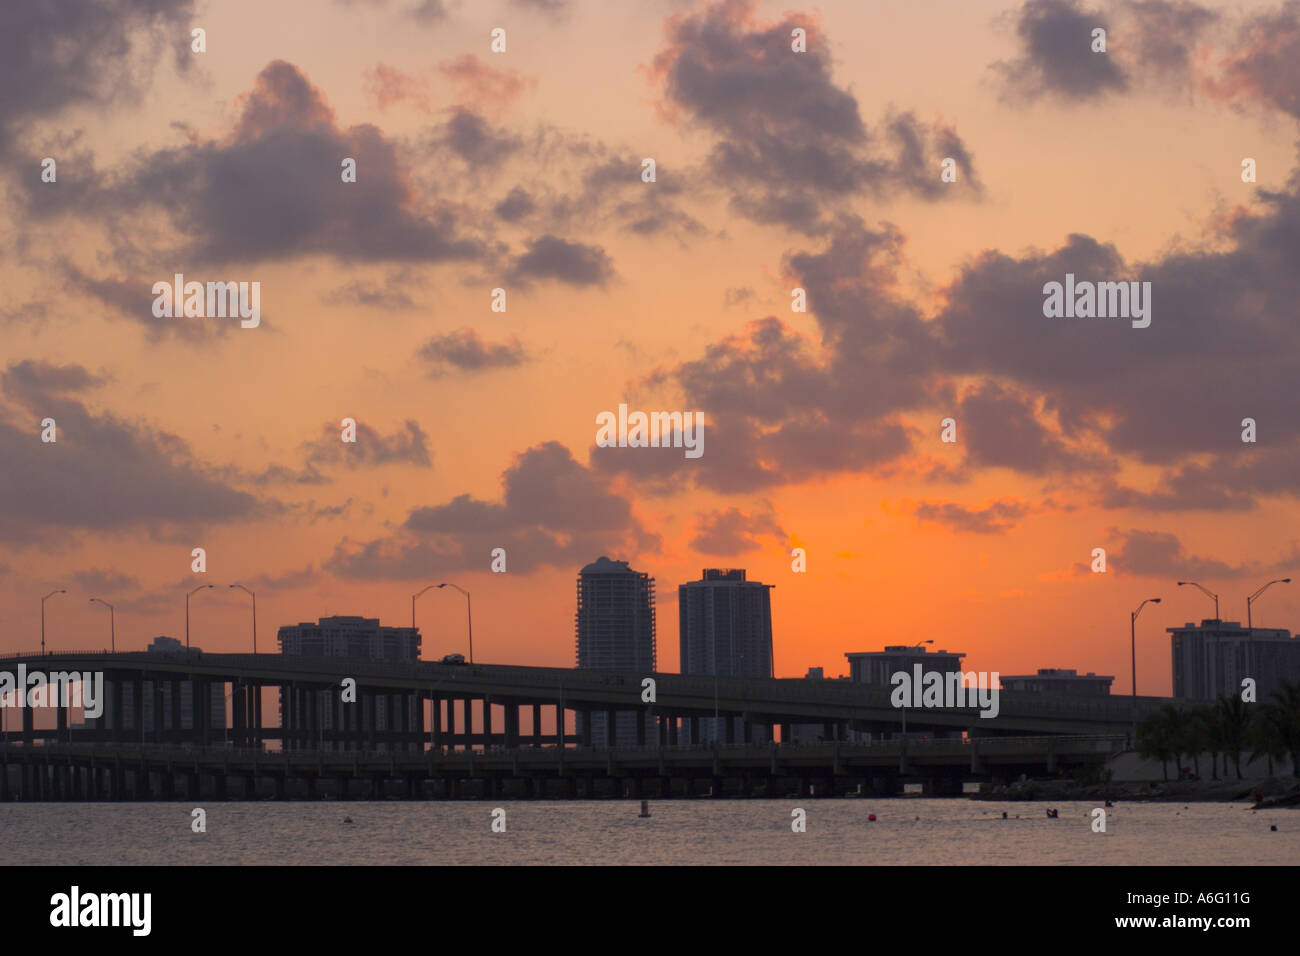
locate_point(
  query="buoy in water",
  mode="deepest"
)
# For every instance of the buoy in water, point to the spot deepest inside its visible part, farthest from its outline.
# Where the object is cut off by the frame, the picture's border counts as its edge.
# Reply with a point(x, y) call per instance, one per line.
point(645, 809)
point(347, 819)
point(1273, 828)
point(1004, 814)
point(871, 818)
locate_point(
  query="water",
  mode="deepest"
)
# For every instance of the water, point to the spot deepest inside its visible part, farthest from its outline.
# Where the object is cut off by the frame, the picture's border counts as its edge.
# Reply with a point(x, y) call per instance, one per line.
point(678, 832)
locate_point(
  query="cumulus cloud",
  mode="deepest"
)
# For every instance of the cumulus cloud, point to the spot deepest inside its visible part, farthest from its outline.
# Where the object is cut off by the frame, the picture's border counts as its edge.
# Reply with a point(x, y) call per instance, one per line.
point(407, 445)
point(554, 511)
point(733, 531)
point(103, 473)
point(91, 53)
point(225, 207)
point(572, 263)
point(791, 145)
point(463, 350)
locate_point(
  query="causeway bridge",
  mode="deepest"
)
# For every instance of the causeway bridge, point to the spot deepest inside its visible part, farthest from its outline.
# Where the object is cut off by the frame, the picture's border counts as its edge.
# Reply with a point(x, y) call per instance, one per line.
point(436, 722)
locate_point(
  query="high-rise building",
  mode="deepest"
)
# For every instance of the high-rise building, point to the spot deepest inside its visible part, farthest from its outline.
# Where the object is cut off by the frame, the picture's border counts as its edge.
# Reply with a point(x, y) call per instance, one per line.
point(725, 630)
point(360, 638)
point(614, 627)
point(1213, 658)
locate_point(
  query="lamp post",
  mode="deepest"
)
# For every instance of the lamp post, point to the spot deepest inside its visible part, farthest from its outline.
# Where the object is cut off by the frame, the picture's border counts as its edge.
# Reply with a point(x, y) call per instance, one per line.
point(912, 647)
point(1207, 591)
point(43, 600)
point(187, 611)
point(428, 587)
point(250, 593)
point(1251, 600)
point(1132, 649)
point(469, 615)
point(112, 627)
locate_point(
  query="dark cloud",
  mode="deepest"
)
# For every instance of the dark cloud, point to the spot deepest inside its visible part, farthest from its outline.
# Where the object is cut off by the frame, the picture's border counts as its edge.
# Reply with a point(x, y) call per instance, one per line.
point(408, 445)
point(517, 204)
point(554, 511)
point(1057, 58)
point(573, 263)
point(1264, 64)
point(792, 146)
point(733, 532)
point(1157, 554)
point(1000, 428)
point(469, 135)
point(58, 54)
point(737, 296)
point(102, 473)
point(391, 294)
point(1167, 32)
point(273, 189)
point(463, 350)
point(994, 518)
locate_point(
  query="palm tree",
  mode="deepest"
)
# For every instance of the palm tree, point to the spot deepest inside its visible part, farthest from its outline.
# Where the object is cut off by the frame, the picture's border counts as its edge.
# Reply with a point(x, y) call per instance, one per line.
point(1281, 716)
point(1155, 740)
point(1212, 737)
point(1233, 720)
point(1197, 735)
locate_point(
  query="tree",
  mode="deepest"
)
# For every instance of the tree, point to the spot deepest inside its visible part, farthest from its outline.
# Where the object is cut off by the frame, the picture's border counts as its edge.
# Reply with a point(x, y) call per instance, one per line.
point(1281, 718)
point(1155, 740)
point(1233, 720)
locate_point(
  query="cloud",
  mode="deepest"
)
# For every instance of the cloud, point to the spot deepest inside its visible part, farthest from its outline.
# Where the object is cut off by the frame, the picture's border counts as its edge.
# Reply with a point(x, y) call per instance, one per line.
point(408, 445)
point(517, 204)
point(272, 189)
point(90, 53)
point(1264, 64)
point(554, 511)
point(791, 146)
point(572, 263)
point(1158, 554)
point(464, 351)
point(995, 517)
point(1000, 428)
point(1057, 59)
point(733, 532)
point(102, 473)
point(391, 295)
point(481, 86)
point(97, 582)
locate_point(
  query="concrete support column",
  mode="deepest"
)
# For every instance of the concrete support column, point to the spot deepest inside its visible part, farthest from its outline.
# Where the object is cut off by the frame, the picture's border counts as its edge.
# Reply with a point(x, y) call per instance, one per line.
point(672, 731)
point(512, 723)
point(537, 725)
point(695, 730)
point(611, 727)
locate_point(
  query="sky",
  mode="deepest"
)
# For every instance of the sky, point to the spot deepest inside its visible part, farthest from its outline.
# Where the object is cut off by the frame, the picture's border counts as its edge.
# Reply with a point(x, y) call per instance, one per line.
point(774, 170)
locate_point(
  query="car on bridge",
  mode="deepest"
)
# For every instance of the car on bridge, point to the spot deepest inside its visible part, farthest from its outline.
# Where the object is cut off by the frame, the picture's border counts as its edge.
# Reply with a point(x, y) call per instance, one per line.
point(453, 659)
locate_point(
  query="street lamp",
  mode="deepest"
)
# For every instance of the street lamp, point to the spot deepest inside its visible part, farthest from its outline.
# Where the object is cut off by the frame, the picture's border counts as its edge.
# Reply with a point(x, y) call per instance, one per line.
point(469, 615)
point(249, 592)
point(1207, 591)
point(187, 611)
point(428, 587)
point(1132, 648)
point(43, 600)
point(112, 627)
point(911, 647)
point(1250, 600)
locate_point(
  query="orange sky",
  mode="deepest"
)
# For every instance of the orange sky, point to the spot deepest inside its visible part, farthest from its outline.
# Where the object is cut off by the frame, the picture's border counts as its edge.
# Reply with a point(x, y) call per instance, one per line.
point(1153, 169)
